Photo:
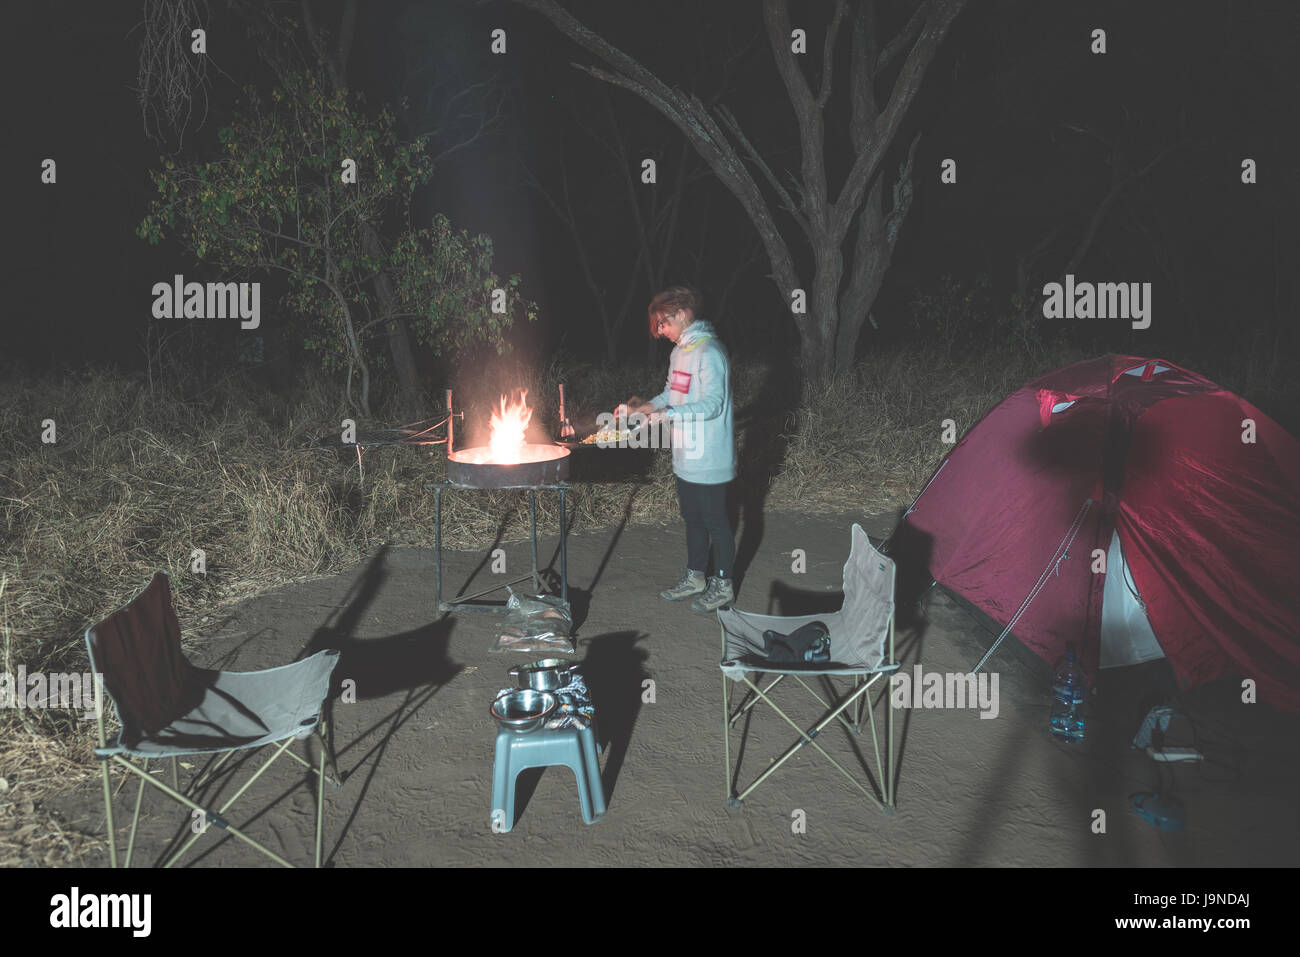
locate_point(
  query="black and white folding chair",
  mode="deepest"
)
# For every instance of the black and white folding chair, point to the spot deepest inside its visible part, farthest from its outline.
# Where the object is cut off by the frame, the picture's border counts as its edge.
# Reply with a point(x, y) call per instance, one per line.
point(861, 650)
point(168, 708)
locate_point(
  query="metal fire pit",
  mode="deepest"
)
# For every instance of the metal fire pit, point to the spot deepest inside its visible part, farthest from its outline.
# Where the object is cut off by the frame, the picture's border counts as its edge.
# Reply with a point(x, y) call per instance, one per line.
point(542, 465)
point(545, 468)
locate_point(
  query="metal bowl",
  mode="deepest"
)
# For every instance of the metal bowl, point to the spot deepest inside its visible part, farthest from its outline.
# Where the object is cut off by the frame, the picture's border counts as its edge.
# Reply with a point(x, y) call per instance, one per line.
point(524, 710)
point(549, 674)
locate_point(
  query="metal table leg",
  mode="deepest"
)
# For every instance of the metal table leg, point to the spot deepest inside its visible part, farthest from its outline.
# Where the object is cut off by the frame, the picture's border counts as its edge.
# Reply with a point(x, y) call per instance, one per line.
point(532, 522)
point(564, 549)
point(539, 584)
point(437, 544)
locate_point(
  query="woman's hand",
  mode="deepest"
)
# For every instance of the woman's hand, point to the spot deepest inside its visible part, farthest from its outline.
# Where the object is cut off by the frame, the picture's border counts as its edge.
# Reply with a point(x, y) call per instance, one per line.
point(633, 406)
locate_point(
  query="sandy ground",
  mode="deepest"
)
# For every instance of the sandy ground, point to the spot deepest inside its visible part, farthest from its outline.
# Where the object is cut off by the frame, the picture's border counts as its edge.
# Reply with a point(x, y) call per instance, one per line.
point(417, 746)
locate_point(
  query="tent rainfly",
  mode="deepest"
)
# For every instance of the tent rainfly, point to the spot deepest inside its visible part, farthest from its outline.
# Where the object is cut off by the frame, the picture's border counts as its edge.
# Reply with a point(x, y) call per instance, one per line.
point(1132, 509)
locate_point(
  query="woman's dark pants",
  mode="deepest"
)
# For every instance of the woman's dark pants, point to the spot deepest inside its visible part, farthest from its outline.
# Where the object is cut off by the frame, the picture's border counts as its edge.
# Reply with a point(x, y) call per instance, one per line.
point(704, 509)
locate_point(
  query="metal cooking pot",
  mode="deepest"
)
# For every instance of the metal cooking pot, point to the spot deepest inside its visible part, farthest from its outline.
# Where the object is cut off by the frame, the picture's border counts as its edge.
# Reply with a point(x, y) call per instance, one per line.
point(549, 674)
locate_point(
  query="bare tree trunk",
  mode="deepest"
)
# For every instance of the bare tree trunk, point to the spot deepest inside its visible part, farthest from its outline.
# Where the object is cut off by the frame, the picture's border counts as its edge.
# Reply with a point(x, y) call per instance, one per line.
point(873, 250)
point(354, 347)
point(398, 331)
point(828, 272)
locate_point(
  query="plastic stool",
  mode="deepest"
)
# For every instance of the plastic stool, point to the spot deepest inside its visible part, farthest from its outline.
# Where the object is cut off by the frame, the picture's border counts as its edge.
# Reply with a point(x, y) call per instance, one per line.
point(544, 748)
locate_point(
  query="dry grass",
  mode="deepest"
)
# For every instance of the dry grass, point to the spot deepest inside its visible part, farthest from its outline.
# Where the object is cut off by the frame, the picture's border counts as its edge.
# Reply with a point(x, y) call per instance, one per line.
point(35, 766)
point(870, 440)
point(138, 479)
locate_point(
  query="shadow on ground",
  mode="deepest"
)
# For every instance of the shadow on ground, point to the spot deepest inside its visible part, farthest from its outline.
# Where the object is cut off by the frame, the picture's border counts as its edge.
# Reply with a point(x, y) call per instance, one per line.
point(764, 439)
point(615, 672)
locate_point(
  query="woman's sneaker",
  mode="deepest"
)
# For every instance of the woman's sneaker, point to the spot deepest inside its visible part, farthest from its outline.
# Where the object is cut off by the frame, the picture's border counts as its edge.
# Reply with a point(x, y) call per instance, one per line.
point(717, 595)
point(692, 583)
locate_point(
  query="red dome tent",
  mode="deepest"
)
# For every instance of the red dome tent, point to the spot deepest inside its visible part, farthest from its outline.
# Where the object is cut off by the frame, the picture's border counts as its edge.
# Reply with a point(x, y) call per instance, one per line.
point(1190, 493)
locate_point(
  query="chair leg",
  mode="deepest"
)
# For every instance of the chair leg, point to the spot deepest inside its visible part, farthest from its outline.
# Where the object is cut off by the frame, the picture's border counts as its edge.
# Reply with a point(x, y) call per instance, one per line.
point(182, 799)
point(833, 694)
point(208, 773)
point(806, 737)
point(108, 814)
point(726, 731)
point(225, 825)
point(331, 772)
point(754, 699)
point(103, 766)
point(135, 817)
point(875, 744)
point(320, 791)
point(889, 754)
point(331, 759)
point(726, 740)
point(889, 725)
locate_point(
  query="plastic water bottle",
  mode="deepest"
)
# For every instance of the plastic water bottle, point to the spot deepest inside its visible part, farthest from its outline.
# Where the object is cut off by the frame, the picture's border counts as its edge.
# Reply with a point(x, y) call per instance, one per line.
point(1067, 699)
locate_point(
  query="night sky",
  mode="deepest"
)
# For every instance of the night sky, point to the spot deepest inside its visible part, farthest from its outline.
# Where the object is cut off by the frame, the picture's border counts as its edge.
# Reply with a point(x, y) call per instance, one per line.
point(1040, 127)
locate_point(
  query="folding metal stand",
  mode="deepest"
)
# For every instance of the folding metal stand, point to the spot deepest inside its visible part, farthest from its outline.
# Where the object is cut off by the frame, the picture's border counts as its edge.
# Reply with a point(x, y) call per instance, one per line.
point(468, 603)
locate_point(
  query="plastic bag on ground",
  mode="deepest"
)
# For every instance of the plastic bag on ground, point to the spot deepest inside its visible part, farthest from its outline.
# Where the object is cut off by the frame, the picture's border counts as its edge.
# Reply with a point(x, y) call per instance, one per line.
point(536, 625)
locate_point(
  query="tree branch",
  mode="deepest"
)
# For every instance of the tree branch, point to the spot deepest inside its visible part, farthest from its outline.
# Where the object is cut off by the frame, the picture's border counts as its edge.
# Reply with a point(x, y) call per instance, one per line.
point(807, 113)
point(885, 126)
point(828, 52)
point(904, 39)
point(787, 203)
point(862, 75)
point(1094, 223)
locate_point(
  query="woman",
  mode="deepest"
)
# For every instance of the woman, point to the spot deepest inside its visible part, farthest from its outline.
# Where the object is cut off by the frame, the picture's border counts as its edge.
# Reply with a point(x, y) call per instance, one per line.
point(696, 401)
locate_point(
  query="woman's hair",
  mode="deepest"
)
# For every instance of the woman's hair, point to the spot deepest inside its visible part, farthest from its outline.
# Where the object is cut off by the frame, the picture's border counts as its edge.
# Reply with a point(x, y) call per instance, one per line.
point(672, 299)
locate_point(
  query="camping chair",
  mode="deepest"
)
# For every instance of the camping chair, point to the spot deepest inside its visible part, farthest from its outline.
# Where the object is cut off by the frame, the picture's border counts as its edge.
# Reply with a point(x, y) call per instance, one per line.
point(168, 708)
point(858, 633)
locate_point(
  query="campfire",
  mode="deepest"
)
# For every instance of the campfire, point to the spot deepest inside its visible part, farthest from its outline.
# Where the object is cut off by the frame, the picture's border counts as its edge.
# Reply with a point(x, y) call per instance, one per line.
point(508, 428)
point(508, 460)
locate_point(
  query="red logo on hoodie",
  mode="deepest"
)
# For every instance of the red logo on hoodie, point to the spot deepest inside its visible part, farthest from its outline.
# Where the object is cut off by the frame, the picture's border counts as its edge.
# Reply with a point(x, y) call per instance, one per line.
point(681, 381)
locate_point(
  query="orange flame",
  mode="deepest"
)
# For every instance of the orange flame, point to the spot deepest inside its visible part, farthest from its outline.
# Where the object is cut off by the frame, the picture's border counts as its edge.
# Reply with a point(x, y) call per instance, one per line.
point(507, 436)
